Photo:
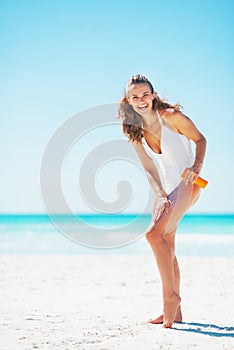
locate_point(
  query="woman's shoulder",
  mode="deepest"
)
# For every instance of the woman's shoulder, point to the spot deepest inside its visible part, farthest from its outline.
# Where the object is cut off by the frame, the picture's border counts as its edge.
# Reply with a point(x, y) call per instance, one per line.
point(170, 113)
point(172, 118)
point(137, 144)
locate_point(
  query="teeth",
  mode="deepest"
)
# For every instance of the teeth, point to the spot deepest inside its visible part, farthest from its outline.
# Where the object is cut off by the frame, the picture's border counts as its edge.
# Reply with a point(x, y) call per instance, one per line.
point(143, 106)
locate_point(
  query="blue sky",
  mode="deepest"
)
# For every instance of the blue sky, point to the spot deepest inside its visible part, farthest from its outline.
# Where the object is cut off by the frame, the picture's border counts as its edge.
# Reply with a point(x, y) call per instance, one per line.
point(61, 57)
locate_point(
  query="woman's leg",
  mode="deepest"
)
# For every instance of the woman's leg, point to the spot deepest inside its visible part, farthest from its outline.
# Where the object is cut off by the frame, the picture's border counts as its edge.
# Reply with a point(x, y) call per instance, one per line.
point(182, 198)
point(170, 239)
point(164, 260)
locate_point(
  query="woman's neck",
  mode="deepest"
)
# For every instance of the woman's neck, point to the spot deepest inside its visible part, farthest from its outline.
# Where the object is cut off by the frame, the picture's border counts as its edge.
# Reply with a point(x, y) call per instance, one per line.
point(150, 119)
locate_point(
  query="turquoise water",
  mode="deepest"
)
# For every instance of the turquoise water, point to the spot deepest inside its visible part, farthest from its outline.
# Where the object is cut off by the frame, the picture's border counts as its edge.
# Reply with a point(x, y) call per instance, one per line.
point(198, 235)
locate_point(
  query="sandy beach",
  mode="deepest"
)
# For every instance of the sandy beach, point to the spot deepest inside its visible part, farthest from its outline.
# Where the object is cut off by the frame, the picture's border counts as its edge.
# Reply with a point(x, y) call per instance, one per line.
point(103, 302)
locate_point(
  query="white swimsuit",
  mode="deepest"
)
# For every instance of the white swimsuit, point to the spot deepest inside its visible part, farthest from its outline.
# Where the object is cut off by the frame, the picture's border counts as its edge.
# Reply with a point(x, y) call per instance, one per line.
point(176, 154)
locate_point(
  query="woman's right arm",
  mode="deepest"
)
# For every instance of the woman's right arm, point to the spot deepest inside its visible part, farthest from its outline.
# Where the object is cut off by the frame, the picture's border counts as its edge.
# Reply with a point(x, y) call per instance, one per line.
point(150, 168)
point(161, 202)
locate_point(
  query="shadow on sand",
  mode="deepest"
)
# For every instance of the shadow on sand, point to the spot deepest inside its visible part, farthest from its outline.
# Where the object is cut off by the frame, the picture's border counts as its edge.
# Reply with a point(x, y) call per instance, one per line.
point(206, 329)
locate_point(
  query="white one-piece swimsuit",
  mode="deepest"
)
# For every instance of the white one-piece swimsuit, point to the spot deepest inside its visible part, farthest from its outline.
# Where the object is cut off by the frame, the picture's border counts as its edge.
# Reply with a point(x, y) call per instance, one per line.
point(176, 154)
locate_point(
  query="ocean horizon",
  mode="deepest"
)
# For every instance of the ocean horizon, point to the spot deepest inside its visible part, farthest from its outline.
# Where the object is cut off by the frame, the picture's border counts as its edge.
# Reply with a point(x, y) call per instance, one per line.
point(208, 234)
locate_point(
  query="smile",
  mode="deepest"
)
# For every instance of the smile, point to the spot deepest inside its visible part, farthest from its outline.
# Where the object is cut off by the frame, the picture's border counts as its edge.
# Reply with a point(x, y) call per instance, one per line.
point(143, 107)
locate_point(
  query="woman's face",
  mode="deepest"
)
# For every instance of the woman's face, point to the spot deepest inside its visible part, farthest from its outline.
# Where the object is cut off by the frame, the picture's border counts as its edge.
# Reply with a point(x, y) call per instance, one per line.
point(141, 98)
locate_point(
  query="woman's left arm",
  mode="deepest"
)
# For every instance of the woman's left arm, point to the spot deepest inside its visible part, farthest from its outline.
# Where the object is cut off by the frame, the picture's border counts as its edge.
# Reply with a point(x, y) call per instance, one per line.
point(184, 125)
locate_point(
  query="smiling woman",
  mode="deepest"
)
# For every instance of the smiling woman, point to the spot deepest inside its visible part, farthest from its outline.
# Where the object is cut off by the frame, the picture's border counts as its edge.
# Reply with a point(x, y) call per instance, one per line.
point(141, 98)
point(160, 132)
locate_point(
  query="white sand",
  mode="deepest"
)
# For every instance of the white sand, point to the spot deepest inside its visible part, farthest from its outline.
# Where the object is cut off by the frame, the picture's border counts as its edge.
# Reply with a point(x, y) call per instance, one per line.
point(103, 302)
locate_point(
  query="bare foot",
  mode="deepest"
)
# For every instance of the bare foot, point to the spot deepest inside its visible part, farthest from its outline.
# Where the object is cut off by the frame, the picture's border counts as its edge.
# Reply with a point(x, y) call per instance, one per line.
point(170, 307)
point(159, 319)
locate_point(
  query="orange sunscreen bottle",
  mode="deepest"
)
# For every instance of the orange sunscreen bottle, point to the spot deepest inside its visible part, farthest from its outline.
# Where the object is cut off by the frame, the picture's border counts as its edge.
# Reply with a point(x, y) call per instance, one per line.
point(200, 181)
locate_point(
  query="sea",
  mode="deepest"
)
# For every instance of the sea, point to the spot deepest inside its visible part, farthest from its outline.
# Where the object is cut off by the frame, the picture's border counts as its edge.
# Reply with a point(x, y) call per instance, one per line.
point(197, 235)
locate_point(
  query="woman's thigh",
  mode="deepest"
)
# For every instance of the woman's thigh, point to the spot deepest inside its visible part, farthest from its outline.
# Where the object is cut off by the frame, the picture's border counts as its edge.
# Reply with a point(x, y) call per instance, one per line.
point(181, 198)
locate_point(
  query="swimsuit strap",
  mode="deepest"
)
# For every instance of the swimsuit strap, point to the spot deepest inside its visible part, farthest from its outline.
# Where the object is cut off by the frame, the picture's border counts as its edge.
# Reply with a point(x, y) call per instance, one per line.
point(159, 118)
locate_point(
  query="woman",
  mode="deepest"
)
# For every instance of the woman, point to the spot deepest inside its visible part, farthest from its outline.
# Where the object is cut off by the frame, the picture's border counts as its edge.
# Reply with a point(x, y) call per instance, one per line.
point(161, 136)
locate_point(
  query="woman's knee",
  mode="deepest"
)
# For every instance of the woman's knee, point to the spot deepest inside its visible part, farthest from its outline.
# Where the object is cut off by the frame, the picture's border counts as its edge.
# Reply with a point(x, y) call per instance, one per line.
point(153, 235)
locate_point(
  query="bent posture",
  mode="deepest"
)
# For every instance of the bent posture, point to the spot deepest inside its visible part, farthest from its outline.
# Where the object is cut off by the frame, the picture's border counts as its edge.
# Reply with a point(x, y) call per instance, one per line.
point(161, 136)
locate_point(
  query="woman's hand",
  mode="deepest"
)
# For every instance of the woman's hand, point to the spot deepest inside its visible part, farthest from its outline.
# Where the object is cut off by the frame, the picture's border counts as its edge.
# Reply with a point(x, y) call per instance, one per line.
point(166, 202)
point(190, 176)
point(161, 204)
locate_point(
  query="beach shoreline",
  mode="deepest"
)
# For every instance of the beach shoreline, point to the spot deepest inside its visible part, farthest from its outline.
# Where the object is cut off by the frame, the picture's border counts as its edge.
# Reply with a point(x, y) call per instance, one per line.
point(103, 302)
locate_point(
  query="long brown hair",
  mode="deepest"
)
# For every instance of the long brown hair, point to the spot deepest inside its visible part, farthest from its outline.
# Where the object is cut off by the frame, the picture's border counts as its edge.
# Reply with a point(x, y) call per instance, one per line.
point(131, 120)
